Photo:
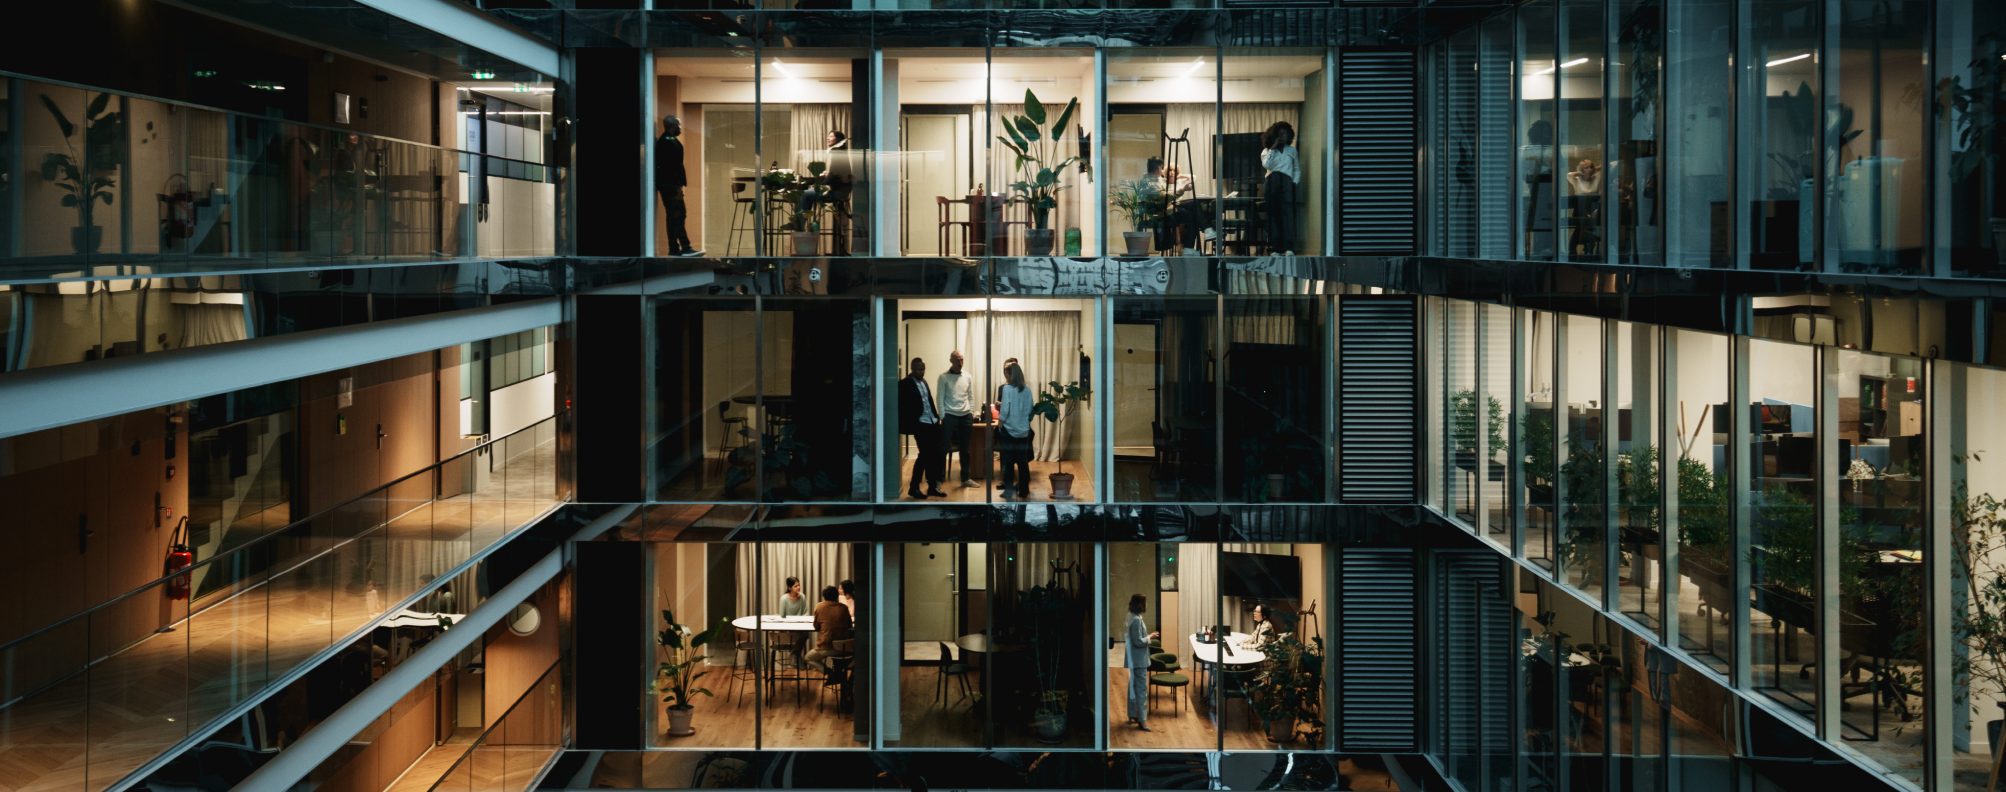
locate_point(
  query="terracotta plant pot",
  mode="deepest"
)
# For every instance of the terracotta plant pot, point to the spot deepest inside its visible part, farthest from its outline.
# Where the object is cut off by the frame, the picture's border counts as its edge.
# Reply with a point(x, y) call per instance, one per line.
point(1137, 242)
point(679, 721)
point(1062, 486)
point(1038, 242)
point(806, 243)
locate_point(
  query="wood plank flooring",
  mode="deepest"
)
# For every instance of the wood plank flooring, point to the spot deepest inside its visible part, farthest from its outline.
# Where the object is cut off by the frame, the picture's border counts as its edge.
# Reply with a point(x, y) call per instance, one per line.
point(85, 732)
point(1041, 485)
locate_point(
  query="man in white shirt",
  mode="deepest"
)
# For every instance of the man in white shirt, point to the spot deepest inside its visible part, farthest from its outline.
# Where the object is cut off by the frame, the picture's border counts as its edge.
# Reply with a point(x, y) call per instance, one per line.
point(957, 407)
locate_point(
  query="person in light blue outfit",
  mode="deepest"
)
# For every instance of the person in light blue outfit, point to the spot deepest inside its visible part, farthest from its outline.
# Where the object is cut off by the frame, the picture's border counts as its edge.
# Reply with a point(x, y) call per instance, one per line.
point(1013, 442)
point(1136, 660)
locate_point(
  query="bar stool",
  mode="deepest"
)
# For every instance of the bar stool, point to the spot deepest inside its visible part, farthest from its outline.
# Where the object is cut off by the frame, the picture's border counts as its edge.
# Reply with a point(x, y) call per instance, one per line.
point(734, 437)
point(741, 217)
point(947, 223)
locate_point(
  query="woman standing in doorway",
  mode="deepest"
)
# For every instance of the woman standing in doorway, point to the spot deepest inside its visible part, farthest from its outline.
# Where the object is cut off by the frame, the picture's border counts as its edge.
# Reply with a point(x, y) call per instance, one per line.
point(1136, 659)
point(1278, 193)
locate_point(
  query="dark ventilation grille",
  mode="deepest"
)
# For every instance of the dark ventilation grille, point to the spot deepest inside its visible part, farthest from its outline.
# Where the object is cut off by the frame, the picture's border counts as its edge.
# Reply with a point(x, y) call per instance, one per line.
point(1473, 659)
point(1376, 128)
point(1376, 655)
point(1378, 387)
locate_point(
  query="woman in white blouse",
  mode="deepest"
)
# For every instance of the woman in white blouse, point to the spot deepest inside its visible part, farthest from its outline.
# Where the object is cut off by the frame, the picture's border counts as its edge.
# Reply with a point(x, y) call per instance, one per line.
point(1013, 441)
point(1278, 192)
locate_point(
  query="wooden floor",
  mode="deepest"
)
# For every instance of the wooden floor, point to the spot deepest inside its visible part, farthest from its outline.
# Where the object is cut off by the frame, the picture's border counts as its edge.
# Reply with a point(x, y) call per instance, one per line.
point(797, 715)
point(491, 769)
point(1041, 484)
point(1183, 725)
point(89, 730)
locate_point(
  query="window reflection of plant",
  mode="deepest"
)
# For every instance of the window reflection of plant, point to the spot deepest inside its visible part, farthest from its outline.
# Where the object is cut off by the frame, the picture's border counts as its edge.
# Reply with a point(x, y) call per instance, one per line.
point(1581, 520)
point(1800, 114)
point(1463, 423)
point(1976, 110)
point(781, 456)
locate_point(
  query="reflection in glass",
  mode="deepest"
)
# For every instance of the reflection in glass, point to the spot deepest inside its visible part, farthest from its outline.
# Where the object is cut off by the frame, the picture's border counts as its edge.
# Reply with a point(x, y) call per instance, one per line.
point(708, 421)
point(1039, 652)
point(1699, 176)
point(1970, 63)
point(812, 182)
point(1875, 178)
point(1780, 125)
point(1977, 482)
point(1640, 559)
point(1582, 160)
point(941, 596)
point(1537, 201)
point(1163, 118)
point(1782, 522)
point(1166, 440)
point(1495, 386)
point(1537, 442)
point(1276, 379)
point(1583, 529)
point(1460, 360)
point(1457, 113)
point(1637, 90)
point(1706, 541)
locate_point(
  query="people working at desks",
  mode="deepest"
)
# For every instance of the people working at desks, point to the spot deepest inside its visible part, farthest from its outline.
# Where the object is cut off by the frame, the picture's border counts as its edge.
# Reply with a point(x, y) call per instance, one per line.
point(832, 624)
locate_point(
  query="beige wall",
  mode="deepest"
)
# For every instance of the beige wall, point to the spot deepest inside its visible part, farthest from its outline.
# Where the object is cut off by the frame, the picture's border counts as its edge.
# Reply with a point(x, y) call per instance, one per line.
point(515, 662)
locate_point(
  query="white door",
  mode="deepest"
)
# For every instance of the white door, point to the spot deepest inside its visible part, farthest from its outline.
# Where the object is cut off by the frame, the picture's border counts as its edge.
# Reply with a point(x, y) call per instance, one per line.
point(936, 166)
point(930, 590)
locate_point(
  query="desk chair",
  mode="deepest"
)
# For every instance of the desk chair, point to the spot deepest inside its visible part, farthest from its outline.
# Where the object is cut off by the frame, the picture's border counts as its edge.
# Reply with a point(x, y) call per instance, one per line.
point(1163, 670)
point(741, 217)
point(949, 668)
point(947, 223)
point(1236, 683)
point(837, 674)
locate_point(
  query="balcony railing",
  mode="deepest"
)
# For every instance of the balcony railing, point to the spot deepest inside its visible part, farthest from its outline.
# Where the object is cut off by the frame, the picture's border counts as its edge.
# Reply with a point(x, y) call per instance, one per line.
point(509, 755)
point(92, 698)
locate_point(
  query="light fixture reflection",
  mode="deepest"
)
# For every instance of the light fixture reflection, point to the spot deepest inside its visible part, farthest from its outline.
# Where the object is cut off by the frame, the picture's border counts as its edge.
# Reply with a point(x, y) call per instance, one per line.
point(1550, 70)
point(1782, 61)
point(1195, 66)
point(783, 70)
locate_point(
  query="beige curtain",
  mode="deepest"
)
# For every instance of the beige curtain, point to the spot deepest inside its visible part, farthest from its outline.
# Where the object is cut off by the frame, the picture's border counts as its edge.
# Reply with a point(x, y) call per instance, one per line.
point(202, 325)
point(812, 124)
point(1202, 121)
point(1047, 345)
point(817, 564)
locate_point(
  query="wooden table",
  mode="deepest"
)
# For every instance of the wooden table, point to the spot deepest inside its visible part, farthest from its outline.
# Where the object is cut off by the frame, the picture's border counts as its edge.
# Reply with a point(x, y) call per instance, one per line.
point(978, 449)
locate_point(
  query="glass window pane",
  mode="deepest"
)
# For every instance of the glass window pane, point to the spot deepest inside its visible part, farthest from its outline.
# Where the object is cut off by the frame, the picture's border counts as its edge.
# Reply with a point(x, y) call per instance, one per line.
point(1875, 223)
point(686, 574)
point(808, 638)
point(937, 704)
point(1455, 85)
point(1782, 522)
point(810, 91)
point(1582, 159)
point(1699, 178)
point(1977, 481)
point(1164, 397)
point(1971, 57)
point(1163, 116)
point(1706, 540)
point(1460, 361)
point(942, 135)
point(1636, 89)
point(815, 391)
point(1640, 569)
point(1044, 197)
point(1582, 478)
point(1044, 341)
point(1537, 201)
point(1271, 150)
point(704, 444)
point(1779, 143)
point(1537, 441)
point(1176, 609)
point(1038, 650)
point(1497, 400)
point(1276, 380)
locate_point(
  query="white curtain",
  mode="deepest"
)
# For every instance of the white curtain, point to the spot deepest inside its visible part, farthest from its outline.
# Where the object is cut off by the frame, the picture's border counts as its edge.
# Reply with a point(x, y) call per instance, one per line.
point(812, 125)
point(816, 564)
point(1034, 564)
point(1198, 584)
point(202, 325)
point(1202, 120)
point(1258, 116)
point(1047, 345)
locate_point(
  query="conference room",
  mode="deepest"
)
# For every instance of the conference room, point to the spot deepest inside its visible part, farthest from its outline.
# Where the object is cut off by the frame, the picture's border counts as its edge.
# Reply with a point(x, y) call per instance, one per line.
point(759, 645)
point(1216, 647)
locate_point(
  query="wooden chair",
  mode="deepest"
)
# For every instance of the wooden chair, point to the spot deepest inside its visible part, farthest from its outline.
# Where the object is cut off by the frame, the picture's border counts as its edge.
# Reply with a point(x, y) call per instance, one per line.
point(949, 668)
point(947, 224)
point(732, 440)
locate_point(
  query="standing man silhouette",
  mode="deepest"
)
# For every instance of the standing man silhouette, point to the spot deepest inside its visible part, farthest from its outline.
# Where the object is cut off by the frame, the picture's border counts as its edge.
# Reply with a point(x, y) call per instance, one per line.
point(670, 179)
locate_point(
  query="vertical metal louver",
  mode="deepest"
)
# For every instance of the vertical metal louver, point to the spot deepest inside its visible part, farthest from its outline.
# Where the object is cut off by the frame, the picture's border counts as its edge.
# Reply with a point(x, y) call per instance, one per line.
point(1377, 124)
point(1378, 659)
point(1473, 660)
point(1494, 140)
point(1379, 391)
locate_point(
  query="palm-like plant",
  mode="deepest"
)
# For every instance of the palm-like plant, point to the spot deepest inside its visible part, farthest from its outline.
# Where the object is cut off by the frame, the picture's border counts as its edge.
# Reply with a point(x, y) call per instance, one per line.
point(685, 654)
point(68, 171)
point(1036, 145)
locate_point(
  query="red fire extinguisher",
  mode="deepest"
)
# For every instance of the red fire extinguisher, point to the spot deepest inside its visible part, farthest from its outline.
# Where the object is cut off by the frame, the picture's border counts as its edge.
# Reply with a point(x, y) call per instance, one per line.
point(179, 557)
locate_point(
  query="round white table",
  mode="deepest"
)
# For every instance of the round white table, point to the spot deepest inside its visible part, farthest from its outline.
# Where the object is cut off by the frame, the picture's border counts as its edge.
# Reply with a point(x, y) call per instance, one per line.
point(781, 624)
point(1207, 655)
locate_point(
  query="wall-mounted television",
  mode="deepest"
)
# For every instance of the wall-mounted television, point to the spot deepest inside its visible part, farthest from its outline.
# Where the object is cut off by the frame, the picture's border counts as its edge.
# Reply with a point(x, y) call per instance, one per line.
point(1260, 576)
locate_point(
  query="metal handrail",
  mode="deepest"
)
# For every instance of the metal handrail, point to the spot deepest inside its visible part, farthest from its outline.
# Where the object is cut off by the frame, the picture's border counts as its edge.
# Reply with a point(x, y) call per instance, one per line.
point(499, 722)
point(269, 536)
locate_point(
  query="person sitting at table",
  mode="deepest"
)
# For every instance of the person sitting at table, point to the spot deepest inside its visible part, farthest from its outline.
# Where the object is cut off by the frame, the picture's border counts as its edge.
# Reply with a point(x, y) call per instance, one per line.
point(832, 624)
point(849, 598)
point(1170, 186)
point(791, 602)
point(1264, 629)
point(1013, 436)
point(1135, 658)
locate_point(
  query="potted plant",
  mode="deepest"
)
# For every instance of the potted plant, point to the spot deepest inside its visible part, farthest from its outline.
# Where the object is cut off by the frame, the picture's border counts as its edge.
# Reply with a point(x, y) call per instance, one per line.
point(1977, 111)
point(1036, 145)
point(76, 173)
point(1288, 690)
point(1052, 407)
point(800, 203)
point(1049, 627)
point(1978, 567)
point(1145, 206)
point(678, 674)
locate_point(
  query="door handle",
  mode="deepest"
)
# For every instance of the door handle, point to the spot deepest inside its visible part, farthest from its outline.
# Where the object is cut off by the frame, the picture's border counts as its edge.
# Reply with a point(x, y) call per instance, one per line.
point(379, 436)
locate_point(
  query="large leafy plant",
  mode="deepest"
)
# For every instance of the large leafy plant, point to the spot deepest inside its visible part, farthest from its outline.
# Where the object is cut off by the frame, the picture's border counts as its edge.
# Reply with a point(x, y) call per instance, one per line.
point(679, 673)
point(1052, 403)
point(1037, 147)
point(83, 188)
point(1145, 206)
point(1290, 685)
point(1978, 566)
point(1976, 110)
point(1463, 422)
point(787, 192)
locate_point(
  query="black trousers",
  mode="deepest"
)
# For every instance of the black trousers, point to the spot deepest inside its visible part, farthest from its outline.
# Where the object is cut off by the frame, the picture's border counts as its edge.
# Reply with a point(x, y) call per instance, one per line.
point(932, 462)
point(678, 221)
point(1278, 208)
point(954, 431)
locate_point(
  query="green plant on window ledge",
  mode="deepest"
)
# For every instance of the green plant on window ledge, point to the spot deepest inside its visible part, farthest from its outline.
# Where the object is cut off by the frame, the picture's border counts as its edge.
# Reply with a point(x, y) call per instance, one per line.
point(75, 173)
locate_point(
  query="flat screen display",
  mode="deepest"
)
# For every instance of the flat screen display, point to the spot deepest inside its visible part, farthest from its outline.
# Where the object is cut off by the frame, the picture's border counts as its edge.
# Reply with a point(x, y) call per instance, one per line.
point(1260, 576)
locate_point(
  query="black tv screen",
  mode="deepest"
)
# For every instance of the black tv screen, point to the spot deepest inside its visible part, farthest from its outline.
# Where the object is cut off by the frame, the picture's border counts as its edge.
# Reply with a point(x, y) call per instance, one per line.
point(1260, 576)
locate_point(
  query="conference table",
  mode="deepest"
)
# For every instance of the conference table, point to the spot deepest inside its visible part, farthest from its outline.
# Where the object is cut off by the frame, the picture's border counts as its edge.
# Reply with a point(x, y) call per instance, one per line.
point(1208, 655)
point(785, 625)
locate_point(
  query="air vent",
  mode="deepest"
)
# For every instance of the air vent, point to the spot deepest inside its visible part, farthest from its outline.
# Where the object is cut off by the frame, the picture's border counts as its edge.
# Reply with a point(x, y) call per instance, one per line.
point(1376, 654)
point(1378, 384)
point(1376, 128)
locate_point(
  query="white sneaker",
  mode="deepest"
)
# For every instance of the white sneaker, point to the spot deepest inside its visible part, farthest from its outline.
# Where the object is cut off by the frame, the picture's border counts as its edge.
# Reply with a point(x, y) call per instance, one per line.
point(969, 484)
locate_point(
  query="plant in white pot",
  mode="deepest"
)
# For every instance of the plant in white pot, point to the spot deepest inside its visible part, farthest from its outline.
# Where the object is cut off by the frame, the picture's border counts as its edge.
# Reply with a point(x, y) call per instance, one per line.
point(1052, 407)
point(678, 674)
point(1036, 145)
point(1146, 207)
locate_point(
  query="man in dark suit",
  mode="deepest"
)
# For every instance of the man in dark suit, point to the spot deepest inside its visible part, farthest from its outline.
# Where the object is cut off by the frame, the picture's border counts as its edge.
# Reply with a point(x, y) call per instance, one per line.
point(919, 416)
point(670, 179)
